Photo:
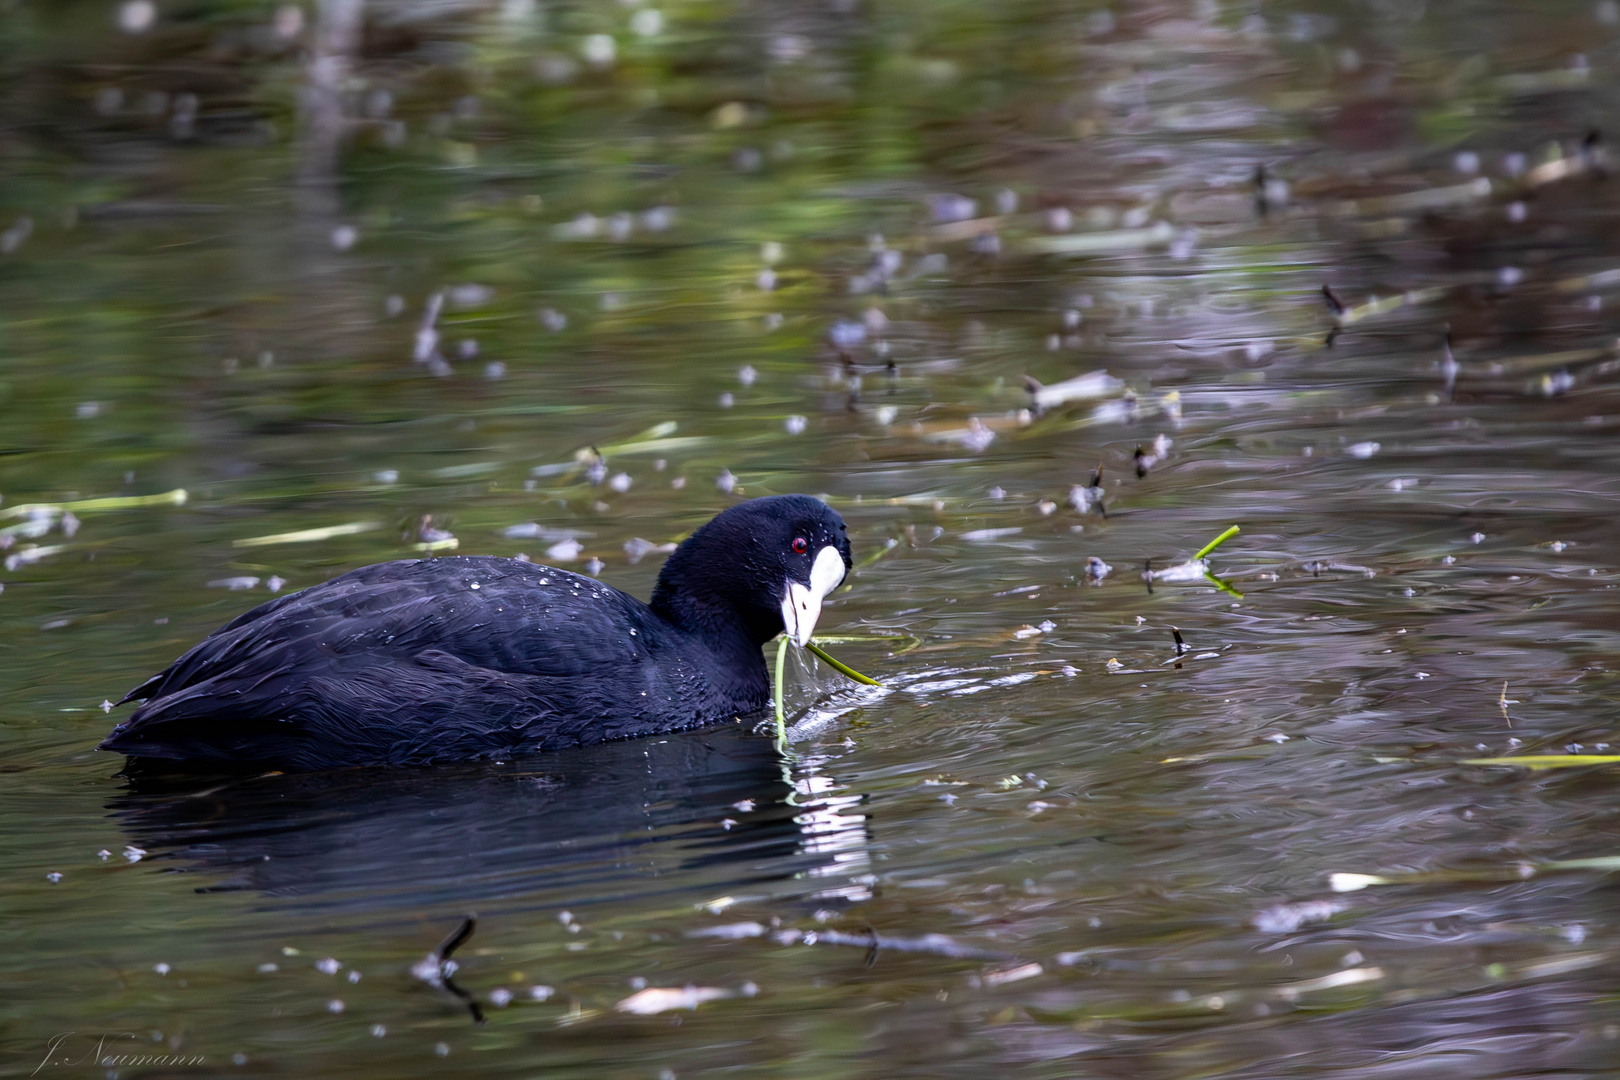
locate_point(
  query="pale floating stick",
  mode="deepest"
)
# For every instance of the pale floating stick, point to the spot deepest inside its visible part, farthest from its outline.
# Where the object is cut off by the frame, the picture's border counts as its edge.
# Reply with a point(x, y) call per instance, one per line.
point(177, 497)
point(781, 712)
point(1350, 882)
point(839, 666)
point(305, 536)
point(1215, 543)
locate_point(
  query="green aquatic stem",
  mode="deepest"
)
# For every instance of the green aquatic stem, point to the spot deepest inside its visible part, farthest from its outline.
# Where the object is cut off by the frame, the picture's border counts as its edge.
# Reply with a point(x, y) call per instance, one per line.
point(781, 712)
point(1547, 761)
point(307, 536)
point(1223, 585)
point(177, 497)
point(839, 666)
point(1215, 543)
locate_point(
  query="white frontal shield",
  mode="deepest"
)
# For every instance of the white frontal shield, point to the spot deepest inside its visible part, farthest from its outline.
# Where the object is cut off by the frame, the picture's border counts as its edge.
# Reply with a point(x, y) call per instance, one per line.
point(801, 604)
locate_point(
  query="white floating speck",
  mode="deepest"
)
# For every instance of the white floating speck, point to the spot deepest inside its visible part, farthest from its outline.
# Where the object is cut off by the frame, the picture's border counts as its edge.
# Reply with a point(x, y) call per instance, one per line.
point(133, 853)
point(726, 482)
point(500, 997)
point(54, 876)
point(540, 993)
point(1286, 918)
point(1342, 882)
point(620, 482)
point(662, 999)
point(235, 584)
point(599, 50)
point(378, 1031)
point(161, 968)
point(1363, 449)
point(335, 1005)
point(795, 425)
point(328, 966)
point(136, 16)
point(565, 550)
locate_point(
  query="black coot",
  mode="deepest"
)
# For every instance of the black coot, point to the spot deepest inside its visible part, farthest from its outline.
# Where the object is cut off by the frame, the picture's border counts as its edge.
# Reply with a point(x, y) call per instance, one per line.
point(481, 657)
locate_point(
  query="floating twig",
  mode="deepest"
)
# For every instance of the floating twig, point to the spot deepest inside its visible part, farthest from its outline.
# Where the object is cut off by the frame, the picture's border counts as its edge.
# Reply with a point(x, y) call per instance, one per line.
point(436, 968)
point(306, 536)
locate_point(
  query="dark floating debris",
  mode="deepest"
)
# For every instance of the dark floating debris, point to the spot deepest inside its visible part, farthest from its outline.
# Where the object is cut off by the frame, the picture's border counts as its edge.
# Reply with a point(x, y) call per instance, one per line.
point(1335, 305)
point(1090, 496)
point(1146, 459)
point(437, 967)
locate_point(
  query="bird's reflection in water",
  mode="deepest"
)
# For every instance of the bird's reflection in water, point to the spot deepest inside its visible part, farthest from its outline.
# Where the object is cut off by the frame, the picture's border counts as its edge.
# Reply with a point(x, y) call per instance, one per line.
point(704, 812)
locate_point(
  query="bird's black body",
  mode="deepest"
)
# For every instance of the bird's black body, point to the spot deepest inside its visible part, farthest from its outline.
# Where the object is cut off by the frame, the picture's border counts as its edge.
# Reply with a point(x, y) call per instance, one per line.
point(480, 657)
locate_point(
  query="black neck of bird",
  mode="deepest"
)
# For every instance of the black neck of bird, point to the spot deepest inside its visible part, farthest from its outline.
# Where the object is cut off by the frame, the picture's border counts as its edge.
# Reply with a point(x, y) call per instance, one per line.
point(696, 602)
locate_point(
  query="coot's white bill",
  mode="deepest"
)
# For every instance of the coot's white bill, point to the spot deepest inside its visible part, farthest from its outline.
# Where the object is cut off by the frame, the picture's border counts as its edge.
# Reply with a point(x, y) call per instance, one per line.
point(801, 604)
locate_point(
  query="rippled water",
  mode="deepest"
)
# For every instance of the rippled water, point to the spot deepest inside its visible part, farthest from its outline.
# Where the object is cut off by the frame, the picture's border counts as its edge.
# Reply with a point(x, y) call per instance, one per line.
point(540, 291)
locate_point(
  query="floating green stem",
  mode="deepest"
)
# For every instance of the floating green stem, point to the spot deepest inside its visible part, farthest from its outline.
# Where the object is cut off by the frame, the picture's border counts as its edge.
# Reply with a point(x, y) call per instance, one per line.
point(1217, 542)
point(1547, 761)
point(177, 497)
point(839, 666)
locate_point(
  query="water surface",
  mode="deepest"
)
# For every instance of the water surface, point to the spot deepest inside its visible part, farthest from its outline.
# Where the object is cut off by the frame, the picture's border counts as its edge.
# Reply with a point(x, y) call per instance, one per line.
point(566, 280)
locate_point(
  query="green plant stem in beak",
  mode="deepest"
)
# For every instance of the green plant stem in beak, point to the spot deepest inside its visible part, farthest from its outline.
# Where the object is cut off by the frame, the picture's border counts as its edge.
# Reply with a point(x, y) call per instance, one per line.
point(781, 712)
point(838, 666)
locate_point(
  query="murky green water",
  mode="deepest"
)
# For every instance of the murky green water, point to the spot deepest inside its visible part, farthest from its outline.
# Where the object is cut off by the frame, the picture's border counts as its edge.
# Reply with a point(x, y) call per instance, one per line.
point(779, 248)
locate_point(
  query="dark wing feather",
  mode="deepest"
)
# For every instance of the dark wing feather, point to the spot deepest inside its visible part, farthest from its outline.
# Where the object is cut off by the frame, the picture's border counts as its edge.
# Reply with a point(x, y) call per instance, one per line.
point(406, 661)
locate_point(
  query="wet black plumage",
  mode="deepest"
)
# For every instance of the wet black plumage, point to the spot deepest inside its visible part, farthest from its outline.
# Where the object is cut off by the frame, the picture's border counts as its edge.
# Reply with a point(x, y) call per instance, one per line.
point(480, 657)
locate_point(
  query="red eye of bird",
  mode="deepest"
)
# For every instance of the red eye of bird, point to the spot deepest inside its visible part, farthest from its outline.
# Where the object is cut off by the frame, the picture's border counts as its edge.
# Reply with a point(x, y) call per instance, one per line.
point(800, 545)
